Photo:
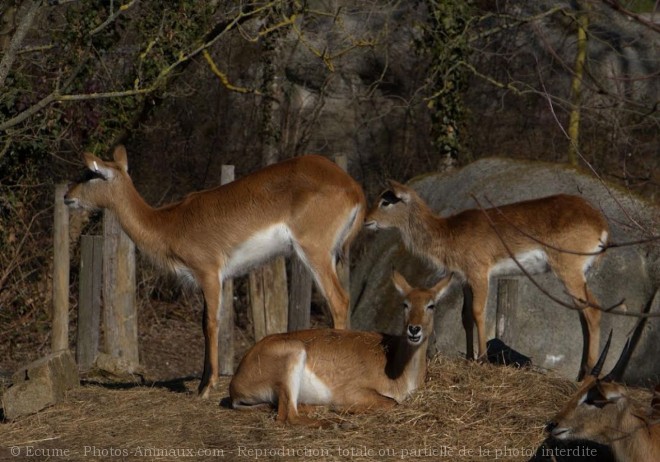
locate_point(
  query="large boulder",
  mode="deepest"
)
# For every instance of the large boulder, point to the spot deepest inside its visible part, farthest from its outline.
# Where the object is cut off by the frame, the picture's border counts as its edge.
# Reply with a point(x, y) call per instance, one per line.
point(536, 326)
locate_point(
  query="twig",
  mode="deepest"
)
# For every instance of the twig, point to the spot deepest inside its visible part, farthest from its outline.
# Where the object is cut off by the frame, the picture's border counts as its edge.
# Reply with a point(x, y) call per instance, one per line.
point(615, 5)
point(223, 77)
point(56, 95)
point(112, 16)
point(587, 163)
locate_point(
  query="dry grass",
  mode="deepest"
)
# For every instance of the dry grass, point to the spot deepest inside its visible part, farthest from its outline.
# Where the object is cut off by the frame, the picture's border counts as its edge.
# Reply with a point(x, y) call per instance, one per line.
point(465, 412)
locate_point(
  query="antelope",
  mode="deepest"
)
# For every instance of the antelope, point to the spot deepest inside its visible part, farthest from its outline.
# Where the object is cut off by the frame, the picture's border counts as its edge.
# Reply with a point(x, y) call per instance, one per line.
point(561, 232)
point(602, 411)
point(347, 370)
point(306, 204)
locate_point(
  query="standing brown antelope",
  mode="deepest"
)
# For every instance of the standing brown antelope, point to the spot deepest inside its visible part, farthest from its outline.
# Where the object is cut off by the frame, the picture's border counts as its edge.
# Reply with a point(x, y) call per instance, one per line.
point(350, 370)
point(602, 411)
point(305, 204)
point(474, 243)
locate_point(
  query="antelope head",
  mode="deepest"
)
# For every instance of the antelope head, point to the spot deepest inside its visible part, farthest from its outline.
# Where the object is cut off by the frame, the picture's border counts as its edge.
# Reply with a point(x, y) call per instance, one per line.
point(394, 207)
point(596, 408)
point(419, 305)
point(102, 183)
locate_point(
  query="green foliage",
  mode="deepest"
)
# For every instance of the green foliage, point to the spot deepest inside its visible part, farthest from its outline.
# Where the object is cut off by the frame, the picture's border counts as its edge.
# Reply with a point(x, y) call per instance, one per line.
point(446, 40)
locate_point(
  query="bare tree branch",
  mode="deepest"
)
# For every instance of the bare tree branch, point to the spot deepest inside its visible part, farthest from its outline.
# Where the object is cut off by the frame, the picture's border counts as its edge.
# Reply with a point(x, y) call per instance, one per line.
point(616, 5)
point(17, 39)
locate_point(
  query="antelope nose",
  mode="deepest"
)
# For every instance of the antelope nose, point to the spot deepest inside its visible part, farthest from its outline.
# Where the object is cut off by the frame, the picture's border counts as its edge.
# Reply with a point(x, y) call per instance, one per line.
point(550, 426)
point(414, 330)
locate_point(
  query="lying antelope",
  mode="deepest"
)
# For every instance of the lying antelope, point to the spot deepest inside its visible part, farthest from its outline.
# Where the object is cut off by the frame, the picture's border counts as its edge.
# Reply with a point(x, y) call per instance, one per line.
point(476, 243)
point(602, 411)
point(348, 370)
point(306, 204)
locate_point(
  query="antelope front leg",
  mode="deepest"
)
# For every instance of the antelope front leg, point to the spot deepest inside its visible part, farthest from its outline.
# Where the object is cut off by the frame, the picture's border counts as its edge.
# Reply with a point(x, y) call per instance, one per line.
point(212, 306)
point(479, 299)
point(325, 273)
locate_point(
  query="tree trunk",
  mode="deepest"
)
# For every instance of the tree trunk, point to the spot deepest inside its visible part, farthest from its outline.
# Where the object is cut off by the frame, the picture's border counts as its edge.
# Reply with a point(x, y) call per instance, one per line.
point(576, 84)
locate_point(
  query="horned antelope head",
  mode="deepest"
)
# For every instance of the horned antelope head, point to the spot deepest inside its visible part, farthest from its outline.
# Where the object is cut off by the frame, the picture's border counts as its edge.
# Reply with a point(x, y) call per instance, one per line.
point(419, 305)
point(101, 181)
point(595, 409)
point(393, 209)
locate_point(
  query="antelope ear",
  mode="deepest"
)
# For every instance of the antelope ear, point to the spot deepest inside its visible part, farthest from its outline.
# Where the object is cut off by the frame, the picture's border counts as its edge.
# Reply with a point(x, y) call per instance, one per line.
point(441, 287)
point(400, 284)
point(96, 165)
point(401, 191)
point(120, 157)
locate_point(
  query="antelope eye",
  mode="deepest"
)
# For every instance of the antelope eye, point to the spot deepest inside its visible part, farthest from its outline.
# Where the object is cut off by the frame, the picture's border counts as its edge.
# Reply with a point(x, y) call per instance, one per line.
point(406, 306)
point(430, 306)
point(89, 175)
point(388, 198)
point(595, 398)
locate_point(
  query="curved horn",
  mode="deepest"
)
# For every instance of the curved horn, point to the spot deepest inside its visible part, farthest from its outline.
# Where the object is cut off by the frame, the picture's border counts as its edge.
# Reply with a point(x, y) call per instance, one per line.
point(617, 371)
point(601, 360)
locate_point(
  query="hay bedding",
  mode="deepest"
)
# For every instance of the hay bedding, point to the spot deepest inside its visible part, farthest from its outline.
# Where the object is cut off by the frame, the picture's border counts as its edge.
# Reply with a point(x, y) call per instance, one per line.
point(466, 412)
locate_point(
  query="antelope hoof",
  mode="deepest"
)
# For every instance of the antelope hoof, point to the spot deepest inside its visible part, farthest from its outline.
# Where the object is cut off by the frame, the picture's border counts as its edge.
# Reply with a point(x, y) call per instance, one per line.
point(205, 390)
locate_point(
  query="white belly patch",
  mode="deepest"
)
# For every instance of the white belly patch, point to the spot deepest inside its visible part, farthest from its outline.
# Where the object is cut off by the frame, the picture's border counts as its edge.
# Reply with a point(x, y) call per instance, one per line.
point(257, 249)
point(534, 261)
point(313, 390)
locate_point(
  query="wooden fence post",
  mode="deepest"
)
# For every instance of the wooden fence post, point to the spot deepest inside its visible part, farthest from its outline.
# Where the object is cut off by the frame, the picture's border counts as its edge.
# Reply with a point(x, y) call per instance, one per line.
point(61, 267)
point(119, 310)
point(89, 301)
point(269, 298)
point(300, 298)
point(507, 303)
point(226, 319)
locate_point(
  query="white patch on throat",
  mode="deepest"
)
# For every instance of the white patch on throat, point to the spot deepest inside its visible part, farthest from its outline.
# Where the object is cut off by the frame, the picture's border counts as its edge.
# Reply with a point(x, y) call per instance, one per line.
point(257, 249)
point(534, 261)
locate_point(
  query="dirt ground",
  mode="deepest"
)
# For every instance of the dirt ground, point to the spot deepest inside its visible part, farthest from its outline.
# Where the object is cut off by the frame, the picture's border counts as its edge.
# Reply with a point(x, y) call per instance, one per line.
point(465, 412)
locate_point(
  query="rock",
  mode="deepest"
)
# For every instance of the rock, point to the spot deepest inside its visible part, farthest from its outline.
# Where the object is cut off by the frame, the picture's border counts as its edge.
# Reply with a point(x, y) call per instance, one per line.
point(40, 384)
point(540, 328)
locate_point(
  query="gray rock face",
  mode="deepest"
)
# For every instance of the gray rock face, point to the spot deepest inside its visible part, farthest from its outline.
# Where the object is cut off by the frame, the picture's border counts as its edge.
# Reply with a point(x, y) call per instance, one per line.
point(40, 384)
point(537, 326)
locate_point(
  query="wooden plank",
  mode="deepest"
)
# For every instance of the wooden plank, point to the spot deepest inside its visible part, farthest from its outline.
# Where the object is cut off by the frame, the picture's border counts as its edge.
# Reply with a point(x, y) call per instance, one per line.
point(507, 304)
point(300, 299)
point(269, 298)
point(226, 317)
point(276, 296)
point(119, 309)
point(256, 291)
point(61, 267)
point(89, 300)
